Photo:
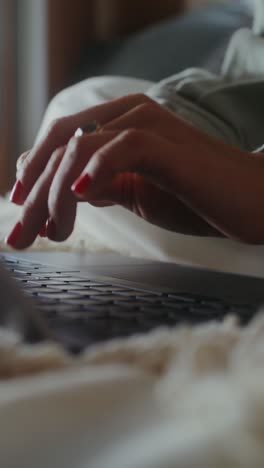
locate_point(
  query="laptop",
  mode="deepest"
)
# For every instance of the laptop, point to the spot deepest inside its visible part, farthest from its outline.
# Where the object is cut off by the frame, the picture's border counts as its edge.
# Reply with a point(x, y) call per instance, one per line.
point(84, 299)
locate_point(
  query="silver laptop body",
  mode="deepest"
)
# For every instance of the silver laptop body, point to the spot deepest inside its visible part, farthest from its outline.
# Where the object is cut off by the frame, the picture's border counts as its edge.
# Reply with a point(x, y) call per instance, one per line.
point(87, 298)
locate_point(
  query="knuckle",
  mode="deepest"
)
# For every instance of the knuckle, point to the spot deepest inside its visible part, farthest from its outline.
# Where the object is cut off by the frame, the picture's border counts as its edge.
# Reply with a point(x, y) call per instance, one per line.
point(148, 106)
point(129, 134)
point(23, 168)
point(57, 153)
point(142, 98)
point(75, 147)
point(21, 160)
point(135, 99)
point(55, 127)
point(133, 136)
point(55, 158)
point(28, 206)
point(23, 155)
point(148, 109)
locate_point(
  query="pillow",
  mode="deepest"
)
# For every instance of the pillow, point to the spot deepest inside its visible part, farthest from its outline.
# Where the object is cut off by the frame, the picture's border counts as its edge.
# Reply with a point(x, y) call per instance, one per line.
point(168, 47)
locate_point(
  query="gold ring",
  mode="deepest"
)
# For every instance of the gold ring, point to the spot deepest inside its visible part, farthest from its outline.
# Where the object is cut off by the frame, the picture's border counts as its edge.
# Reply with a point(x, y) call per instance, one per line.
point(91, 127)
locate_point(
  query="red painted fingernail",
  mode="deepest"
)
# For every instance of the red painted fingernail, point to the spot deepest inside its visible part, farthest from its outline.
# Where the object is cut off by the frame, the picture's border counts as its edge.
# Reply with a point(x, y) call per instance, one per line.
point(43, 232)
point(50, 228)
point(81, 185)
point(14, 235)
point(16, 194)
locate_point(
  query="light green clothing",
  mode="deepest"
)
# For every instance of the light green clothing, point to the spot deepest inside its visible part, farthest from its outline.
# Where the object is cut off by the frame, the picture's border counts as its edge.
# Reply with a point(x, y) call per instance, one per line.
point(229, 106)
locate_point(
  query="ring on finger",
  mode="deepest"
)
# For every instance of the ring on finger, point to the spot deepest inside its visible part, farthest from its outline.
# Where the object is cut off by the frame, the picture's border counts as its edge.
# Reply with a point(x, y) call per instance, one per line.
point(91, 127)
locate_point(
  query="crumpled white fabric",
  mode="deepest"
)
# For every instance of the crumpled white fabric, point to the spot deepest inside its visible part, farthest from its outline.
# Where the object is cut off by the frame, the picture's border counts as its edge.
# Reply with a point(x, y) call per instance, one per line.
point(184, 398)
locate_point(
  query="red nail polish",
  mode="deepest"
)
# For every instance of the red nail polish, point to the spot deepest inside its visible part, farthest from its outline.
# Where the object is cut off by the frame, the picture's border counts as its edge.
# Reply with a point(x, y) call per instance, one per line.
point(16, 194)
point(14, 235)
point(43, 232)
point(51, 228)
point(81, 185)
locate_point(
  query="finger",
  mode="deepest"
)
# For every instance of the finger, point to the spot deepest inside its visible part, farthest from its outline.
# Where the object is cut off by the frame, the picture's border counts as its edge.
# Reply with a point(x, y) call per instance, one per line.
point(35, 211)
point(61, 130)
point(21, 160)
point(16, 192)
point(197, 175)
point(102, 203)
point(153, 204)
point(153, 117)
point(132, 151)
point(62, 203)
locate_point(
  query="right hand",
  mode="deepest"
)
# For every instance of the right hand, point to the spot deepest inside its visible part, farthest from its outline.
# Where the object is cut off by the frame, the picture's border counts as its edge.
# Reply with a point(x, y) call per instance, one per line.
point(147, 160)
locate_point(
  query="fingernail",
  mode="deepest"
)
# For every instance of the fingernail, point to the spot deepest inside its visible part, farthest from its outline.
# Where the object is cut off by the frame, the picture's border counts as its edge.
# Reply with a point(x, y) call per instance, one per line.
point(81, 185)
point(50, 228)
point(14, 235)
point(43, 232)
point(16, 194)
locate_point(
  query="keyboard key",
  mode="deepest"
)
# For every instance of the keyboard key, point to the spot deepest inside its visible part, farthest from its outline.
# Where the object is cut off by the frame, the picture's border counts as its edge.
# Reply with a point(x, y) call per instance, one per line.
point(135, 293)
point(82, 282)
point(35, 291)
point(68, 287)
point(175, 305)
point(87, 301)
point(51, 283)
point(123, 313)
point(32, 286)
point(111, 288)
point(216, 305)
point(62, 296)
point(182, 298)
point(150, 299)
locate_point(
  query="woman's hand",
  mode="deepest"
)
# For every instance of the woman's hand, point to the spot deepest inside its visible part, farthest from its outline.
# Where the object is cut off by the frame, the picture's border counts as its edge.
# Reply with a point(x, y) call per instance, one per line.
point(145, 159)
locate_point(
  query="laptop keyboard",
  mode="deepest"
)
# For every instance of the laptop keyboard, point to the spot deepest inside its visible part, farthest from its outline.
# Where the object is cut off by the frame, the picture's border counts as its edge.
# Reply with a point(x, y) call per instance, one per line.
point(84, 311)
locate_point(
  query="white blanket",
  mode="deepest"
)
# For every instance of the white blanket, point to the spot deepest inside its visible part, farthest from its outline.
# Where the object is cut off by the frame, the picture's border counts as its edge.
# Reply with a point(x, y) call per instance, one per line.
point(189, 398)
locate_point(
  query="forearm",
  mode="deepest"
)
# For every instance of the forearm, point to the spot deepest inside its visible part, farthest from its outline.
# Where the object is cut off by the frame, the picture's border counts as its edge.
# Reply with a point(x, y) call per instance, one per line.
point(225, 186)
